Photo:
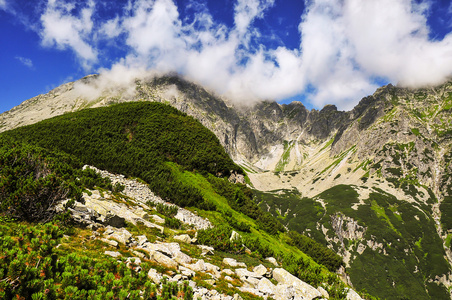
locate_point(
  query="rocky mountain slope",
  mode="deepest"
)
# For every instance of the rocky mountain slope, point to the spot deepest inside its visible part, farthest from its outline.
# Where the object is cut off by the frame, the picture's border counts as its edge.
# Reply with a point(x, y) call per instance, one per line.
point(372, 183)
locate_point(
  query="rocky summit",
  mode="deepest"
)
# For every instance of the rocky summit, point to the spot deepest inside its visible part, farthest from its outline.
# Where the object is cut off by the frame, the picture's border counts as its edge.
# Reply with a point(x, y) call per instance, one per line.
point(373, 184)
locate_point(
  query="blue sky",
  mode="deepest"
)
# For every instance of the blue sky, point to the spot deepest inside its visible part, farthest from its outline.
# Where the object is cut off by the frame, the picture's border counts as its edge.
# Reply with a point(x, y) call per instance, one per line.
point(317, 51)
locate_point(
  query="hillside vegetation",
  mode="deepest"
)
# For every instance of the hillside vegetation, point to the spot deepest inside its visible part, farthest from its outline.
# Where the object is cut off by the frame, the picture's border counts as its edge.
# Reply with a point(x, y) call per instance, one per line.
point(174, 154)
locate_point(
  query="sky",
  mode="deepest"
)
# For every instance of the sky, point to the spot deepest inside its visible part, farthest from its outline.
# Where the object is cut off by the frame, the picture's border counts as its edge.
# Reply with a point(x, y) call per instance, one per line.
point(315, 51)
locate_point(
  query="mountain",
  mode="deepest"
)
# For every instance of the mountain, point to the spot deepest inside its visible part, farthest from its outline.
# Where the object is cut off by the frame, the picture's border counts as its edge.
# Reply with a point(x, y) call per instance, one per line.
point(372, 183)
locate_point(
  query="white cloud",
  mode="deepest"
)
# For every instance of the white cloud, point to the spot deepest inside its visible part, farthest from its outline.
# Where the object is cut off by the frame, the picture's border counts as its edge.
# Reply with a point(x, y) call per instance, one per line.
point(25, 61)
point(3, 4)
point(344, 46)
point(64, 30)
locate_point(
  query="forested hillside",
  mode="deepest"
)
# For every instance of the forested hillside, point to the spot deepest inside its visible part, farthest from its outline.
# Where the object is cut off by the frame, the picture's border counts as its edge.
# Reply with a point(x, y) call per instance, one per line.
point(178, 158)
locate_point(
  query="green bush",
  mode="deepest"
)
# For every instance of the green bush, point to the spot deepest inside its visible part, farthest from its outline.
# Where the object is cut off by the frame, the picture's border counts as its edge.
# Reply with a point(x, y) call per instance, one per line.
point(32, 268)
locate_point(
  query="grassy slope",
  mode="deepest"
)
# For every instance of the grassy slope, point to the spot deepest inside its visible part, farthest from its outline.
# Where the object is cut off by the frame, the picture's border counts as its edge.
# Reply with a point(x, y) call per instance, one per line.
point(134, 138)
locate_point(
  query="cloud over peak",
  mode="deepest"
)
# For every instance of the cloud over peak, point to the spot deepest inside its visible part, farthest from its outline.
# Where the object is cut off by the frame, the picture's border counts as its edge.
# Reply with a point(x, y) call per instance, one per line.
point(344, 46)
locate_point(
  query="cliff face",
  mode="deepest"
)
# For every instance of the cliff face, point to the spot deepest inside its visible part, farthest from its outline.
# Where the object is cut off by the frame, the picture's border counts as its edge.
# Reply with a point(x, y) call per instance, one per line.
point(374, 183)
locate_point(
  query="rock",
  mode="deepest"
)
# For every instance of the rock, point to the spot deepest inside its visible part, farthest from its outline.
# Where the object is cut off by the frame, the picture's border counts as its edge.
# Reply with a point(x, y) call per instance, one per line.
point(114, 220)
point(228, 278)
point(210, 281)
point(206, 250)
point(228, 272)
point(244, 273)
point(163, 259)
point(266, 286)
point(352, 295)
point(162, 248)
point(139, 254)
point(323, 292)
point(142, 239)
point(122, 236)
point(272, 260)
point(260, 270)
point(176, 278)
point(248, 289)
point(157, 219)
point(213, 269)
point(173, 247)
point(199, 266)
point(233, 263)
point(113, 254)
point(184, 238)
point(155, 276)
point(110, 242)
point(253, 282)
point(235, 236)
point(182, 258)
point(186, 272)
point(301, 288)
point(284, 292)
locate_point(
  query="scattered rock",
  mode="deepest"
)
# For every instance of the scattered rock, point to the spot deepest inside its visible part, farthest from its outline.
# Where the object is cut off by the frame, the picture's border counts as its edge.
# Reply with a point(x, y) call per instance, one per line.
point(184, 238)
point(265, 286)
point(235, 236)
point(155, 276)
point(260, 270)
point(113, 254)
point(272, 260)
point(233, 263)
point(323, 292)
point(163, 259)
point(206, 250)
point(352, 295)
point(301, 288)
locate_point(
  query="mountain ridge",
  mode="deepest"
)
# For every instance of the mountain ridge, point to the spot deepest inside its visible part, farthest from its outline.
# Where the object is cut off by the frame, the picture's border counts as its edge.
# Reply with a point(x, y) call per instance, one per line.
point(387, 156)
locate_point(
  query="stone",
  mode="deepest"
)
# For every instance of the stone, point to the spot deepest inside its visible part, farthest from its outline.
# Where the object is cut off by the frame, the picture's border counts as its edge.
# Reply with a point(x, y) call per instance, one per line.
point(235, 236)
point(210, 281)
point(233, 263)
point(186, 272)
point(284, 292)
point(113, 254)
point(352, 295)
point(228, 278)
point(248, 289)
point(200, 266)
point(244, 273)
point(272, 260)
point(157, 219)
point(162, 248)
point(122, 236)
point(163, 259)
point(323, 292)
point(266, 286)
point(184, 238)
point(139, 254)
point(182, 258)
point(114, 220)
point(110, 242)
point(212, 268)
point(253, 282)
point(301, 288)
point(260, 270)
point(206, 250)
point(141, 240)
point(173, 247)
point(176, 278)
point(228, 272)
point(155, 276)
